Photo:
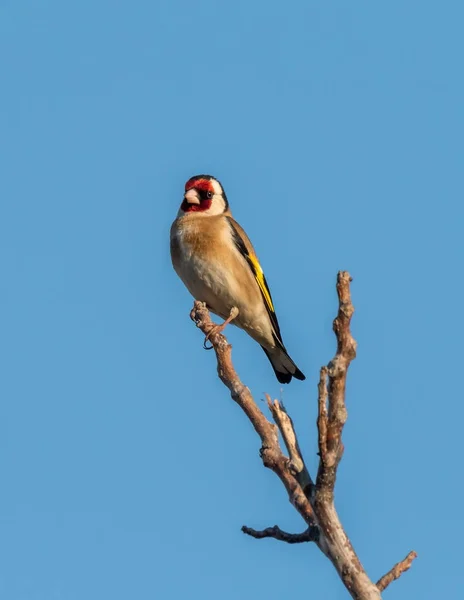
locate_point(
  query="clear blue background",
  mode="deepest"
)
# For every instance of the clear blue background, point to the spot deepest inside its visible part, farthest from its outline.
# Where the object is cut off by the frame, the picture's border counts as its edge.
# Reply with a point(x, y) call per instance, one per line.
point(337, 130)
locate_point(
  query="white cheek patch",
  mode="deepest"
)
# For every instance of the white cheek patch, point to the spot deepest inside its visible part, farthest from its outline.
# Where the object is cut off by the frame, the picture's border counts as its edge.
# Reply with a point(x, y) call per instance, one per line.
point(217, 206)
point(216, 187)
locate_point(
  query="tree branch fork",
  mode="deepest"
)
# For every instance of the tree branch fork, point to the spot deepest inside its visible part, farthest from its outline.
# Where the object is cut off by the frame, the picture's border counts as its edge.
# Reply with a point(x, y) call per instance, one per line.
point(314, 500)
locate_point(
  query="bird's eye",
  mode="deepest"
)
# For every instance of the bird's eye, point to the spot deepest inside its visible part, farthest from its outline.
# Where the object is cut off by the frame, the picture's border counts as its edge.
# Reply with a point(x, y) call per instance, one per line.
point(209, 195)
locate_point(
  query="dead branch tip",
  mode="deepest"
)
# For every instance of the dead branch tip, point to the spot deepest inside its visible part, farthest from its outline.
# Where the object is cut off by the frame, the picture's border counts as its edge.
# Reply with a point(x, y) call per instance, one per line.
point(396, 572)
point(310, 535)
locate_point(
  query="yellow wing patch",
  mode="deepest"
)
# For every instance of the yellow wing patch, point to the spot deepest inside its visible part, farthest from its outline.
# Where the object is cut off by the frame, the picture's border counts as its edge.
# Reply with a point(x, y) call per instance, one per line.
point(259, 276)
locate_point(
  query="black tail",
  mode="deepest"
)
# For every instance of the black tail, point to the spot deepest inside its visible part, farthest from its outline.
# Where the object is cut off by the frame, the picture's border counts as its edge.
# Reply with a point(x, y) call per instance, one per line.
point(283, 365)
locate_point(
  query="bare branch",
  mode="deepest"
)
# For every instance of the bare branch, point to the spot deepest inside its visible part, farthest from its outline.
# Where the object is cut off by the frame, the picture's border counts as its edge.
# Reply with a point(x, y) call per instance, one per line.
point(330, 423)
point(271, 453)
point(333, 420)
point(396, 572)
point(314, 502)
point(310, 535)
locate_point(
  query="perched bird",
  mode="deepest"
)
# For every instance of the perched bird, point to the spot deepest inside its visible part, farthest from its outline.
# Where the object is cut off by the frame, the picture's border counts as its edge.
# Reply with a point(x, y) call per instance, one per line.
point(216, 261)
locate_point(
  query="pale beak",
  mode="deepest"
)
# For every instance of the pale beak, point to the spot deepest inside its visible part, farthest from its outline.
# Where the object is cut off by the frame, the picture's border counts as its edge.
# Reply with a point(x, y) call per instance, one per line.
point(192, 197)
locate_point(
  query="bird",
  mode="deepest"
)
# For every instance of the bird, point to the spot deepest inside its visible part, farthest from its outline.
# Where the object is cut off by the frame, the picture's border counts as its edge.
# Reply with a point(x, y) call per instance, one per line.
point(216, 261)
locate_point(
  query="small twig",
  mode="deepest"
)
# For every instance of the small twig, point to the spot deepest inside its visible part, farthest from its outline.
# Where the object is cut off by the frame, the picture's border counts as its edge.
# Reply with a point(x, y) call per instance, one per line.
point(396, 572)
point(285, 424)
point(310, 535)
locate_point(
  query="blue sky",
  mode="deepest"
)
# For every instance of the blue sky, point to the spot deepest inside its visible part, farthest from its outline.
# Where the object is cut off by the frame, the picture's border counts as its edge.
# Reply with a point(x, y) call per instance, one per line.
point(336, 129)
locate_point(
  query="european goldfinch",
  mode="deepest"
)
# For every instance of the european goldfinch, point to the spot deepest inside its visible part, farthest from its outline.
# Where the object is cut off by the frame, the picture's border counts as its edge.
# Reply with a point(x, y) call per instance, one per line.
point(216, 261)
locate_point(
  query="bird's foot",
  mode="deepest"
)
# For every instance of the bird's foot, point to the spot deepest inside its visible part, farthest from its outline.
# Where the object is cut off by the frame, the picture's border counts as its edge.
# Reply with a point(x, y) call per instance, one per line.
point(218, 328)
